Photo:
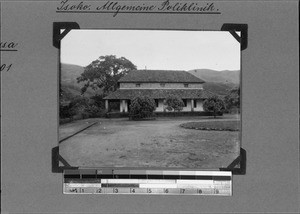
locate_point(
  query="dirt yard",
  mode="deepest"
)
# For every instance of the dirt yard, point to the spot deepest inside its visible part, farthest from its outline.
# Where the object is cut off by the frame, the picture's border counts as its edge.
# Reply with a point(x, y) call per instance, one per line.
point(159, 143)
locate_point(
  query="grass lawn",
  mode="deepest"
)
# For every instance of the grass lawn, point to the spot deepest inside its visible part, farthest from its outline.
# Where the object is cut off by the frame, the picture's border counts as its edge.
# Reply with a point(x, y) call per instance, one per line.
point(213, 125)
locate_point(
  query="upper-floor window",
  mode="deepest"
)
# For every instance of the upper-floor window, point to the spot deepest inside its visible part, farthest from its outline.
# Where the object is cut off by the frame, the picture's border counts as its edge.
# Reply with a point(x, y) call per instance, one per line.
point(162, 84)
point(186, 85)
point(138, 85)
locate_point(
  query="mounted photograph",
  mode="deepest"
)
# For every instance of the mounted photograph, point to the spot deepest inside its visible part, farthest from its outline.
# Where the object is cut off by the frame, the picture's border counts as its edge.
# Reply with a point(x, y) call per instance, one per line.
point(157, 99)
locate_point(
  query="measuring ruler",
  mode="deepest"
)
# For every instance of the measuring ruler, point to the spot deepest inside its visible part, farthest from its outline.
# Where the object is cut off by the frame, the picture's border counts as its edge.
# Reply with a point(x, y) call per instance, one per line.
point(91, 181)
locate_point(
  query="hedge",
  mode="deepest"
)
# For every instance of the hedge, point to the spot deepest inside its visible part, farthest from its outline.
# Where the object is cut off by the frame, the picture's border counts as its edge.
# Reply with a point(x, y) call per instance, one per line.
point(162, 114)
point(178, 114)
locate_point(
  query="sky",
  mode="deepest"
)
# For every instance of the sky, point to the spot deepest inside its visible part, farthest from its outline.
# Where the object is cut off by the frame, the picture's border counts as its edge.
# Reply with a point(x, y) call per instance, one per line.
point(154, 49)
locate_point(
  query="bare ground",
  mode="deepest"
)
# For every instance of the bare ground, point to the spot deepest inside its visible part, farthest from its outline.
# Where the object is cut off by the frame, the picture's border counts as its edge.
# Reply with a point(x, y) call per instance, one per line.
point(160, 143)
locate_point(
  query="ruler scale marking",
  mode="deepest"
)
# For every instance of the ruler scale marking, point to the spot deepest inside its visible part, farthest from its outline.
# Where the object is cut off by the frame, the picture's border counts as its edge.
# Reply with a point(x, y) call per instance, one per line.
point(106, 181)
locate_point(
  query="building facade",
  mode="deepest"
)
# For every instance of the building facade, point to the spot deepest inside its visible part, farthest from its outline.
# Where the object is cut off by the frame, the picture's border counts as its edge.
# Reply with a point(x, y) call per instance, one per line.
point(159, 84)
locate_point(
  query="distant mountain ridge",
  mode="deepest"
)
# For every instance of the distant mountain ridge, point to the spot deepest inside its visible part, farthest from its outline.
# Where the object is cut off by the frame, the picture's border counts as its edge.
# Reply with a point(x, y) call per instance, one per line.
point(226, 76)
point(70, 72)
point(218, 82)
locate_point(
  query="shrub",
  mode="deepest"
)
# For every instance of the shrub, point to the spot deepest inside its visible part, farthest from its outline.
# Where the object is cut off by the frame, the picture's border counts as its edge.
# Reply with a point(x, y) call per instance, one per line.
point(214, 104)
point(142, 107)
point(98, 100)
point(95, 111)
point(85, 107)
point(232, 99)
point(65, 111)
point(174, 103)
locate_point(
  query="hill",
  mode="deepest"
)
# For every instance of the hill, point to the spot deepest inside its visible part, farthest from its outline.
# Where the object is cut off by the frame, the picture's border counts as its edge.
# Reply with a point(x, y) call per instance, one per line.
point(225, 76)
point(218, 87)
point(218, 82)
point(69, 85)
point(70, 72)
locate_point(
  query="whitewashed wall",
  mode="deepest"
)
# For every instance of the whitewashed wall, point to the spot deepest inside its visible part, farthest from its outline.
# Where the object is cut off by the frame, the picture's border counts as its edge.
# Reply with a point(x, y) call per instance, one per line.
point(160, 107)
point(188, 108)
point(199, 105)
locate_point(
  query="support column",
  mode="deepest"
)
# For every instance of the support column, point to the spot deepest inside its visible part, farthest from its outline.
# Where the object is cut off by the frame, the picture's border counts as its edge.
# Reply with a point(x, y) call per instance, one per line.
point(121, 106)
point(192, 105)
point(125, 105)
point(106, 105)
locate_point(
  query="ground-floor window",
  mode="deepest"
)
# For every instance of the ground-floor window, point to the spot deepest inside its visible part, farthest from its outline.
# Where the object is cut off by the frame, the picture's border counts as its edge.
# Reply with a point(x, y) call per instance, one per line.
point(156, 103)
point(185, 102)
point(195, 103)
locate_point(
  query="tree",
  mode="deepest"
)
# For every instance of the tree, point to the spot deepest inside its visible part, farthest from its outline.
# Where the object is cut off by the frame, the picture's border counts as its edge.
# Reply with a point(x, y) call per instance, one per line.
point(142, 107)
point(174, 103)
point(104, 73)
point(233, 99)
point(213, 104)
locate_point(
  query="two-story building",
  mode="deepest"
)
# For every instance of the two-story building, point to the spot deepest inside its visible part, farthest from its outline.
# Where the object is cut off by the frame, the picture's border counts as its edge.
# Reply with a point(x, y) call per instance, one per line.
point(159, 84)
